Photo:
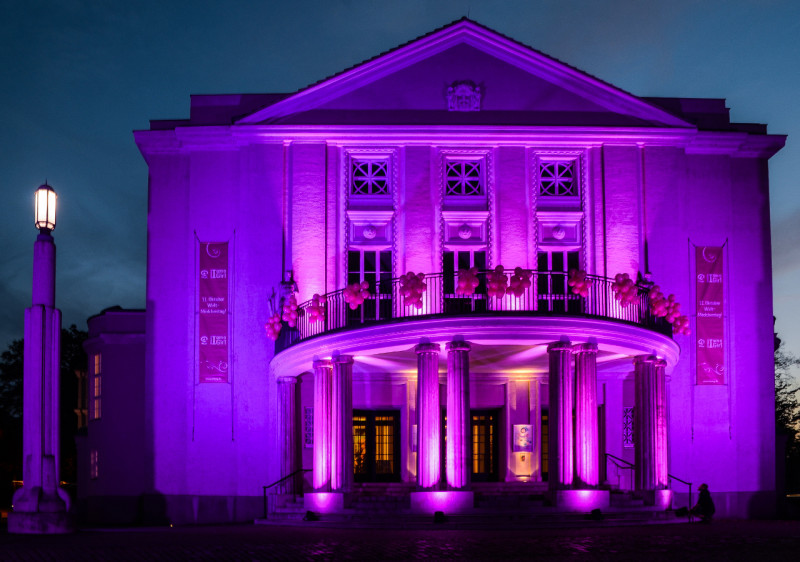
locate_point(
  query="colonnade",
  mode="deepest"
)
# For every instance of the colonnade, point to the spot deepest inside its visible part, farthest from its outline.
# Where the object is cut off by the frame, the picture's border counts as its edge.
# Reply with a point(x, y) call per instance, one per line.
point(574, 455)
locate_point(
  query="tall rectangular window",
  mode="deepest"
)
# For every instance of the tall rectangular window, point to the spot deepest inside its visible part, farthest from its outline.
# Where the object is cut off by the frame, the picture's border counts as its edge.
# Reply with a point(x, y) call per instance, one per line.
point(557, 179)
point(374, 267)
point(551, 281)
point(97, 386)
point(452, 263)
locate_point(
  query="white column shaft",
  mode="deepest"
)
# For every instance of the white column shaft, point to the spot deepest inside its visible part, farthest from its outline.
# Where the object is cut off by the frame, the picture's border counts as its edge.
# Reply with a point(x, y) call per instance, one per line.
point(429, 416)
point(459, 450)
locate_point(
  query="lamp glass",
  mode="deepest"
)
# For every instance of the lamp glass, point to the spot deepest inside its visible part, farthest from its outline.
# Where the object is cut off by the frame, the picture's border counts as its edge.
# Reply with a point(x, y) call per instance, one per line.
point(45, 208)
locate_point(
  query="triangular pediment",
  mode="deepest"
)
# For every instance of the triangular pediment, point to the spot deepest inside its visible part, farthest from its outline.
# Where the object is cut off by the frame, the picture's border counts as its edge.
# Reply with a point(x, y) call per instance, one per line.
point(415, 84)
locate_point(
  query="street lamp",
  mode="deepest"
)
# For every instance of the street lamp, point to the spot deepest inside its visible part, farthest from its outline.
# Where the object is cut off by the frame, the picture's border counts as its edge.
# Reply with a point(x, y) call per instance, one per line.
point(41, 506)
point(44, 203)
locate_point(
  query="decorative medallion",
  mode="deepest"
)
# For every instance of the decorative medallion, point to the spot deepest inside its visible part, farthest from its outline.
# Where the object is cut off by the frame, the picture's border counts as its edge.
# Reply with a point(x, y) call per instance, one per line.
point(464, 95)
point(370, 232)
point(465, 232)
point(559, 232)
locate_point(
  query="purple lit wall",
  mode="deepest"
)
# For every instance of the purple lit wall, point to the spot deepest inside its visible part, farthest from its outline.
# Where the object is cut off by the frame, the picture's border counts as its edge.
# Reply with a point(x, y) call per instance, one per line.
point(272, 184)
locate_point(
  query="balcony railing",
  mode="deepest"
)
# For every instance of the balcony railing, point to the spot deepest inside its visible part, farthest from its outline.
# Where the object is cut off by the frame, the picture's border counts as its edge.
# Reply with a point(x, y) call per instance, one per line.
point(548, 295)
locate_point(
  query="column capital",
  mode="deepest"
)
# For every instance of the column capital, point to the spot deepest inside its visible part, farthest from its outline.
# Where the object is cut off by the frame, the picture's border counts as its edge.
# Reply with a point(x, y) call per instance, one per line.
point(639, 359)
point(661, 364)
point(559, 346)
point(427, 348)
point(322, 364)
point(287, 379)
point(459, 346)
point(344, 359)
point(584, 348)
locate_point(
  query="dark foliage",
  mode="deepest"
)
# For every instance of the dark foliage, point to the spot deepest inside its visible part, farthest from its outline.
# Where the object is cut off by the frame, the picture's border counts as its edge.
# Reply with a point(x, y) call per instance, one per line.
point(73, 358)
point(787, 413)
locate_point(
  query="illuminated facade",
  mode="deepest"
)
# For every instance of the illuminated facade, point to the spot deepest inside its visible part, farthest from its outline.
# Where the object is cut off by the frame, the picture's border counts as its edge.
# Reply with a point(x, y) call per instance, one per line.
point(462, 149)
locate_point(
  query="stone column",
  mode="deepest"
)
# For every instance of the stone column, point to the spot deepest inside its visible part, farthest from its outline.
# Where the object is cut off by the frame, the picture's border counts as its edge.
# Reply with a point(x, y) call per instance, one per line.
point(587, 461)
point(662, 451)
point(428, 416)
point(288, 434)
point(645, 422)
point(322, 425)
point(342, 424)
point(459, 450)
point(560, 426)
point(41, 506)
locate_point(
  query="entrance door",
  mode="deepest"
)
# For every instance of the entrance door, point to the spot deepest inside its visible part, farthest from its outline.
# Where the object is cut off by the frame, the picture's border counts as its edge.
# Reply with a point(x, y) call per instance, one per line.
point(376, 445)
point(485, 446)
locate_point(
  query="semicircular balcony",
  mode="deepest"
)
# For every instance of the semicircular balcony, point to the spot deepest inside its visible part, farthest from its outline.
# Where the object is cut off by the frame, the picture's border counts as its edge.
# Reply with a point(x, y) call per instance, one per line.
point(386, 327)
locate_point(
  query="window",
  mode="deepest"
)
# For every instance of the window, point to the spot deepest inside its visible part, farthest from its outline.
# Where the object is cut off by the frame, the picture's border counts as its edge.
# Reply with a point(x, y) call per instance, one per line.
point(551, 281)
point(463, 177)
point(557, 179)
point(376, 446)
point(97, 387)
point(93, 470)
point(627, 428)
point(374, 267)
point(545, 444)
point(452, 263)
point(308, 427)
point(369, 177)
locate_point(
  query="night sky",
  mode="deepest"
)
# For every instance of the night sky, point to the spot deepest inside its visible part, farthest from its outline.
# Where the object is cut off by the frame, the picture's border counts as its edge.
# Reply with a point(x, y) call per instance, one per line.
point(78, 76)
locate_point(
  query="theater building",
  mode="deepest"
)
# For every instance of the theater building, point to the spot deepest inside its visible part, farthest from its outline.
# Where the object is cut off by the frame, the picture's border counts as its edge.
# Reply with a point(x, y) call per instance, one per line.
point(552, 215)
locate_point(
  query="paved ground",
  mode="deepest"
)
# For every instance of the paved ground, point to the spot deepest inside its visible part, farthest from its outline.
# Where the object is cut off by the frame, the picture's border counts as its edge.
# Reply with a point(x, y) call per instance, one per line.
point(722, 540)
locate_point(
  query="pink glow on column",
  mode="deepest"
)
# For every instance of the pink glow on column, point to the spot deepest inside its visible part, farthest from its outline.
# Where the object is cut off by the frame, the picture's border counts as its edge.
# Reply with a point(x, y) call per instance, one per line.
point(429, 426)
point(322, 428)
point(287, 432)
point(662, 453)
point(561, 451)
point(342, 423)
point(645, 424)
point(459, 467)
point(587, 466)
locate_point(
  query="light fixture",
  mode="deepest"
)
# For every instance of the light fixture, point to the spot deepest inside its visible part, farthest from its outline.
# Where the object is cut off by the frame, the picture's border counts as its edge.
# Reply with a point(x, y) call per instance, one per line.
point(45, 208)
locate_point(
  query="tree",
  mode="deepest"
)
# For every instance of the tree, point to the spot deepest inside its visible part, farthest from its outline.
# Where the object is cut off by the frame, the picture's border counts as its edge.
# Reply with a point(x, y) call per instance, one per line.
point(73, 358)
point(787, 412)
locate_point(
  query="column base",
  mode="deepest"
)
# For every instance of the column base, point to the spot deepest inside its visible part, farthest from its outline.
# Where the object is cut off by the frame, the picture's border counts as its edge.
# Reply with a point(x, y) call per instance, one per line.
point(40, 523)
point(450, 502)
point(580, 500)
point(661, 499)
point(326, 502)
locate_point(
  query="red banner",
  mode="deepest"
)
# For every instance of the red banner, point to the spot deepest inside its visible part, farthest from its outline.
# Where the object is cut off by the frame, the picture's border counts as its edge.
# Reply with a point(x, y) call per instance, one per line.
point(213, 312)
point(710, 316)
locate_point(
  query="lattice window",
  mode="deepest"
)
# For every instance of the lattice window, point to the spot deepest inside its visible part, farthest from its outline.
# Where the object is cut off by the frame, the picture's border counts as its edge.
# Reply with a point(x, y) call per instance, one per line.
point(557, 179)
point(627, 428)
point(463, 177)
point(308, 427)
point(369, 177)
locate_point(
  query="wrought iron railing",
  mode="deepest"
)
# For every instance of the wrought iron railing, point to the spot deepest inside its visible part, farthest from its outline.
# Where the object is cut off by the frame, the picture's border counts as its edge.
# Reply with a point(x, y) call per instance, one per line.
point(294, 486)
point(548, 295)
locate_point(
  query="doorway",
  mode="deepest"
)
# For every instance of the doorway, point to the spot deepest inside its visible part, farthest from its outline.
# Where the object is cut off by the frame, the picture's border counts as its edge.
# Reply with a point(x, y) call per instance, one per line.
point(376, 445)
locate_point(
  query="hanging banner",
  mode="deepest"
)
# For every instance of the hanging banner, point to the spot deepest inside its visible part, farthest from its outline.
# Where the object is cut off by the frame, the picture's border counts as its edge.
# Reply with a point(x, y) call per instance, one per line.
point(710, 320)
point(213, 330)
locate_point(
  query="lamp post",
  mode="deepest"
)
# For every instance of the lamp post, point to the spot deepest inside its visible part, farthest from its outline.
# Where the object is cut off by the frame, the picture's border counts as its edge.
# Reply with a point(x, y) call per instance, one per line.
point(41, 506)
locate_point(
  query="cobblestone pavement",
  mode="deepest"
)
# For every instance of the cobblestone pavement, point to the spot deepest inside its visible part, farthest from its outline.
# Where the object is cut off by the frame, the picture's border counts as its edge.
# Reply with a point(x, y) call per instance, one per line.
point(722, 540)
